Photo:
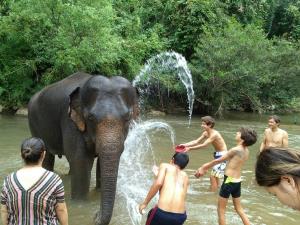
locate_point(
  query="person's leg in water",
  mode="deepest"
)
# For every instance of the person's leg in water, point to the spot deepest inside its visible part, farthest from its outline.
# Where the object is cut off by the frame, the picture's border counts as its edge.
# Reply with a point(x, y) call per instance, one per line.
point(214, 183)
point(222, 203)
point(239, 209)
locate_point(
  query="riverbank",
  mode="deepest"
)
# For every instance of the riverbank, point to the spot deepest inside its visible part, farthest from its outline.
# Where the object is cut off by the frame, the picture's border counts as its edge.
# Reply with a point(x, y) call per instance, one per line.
point(290, 117)
point(19, 112)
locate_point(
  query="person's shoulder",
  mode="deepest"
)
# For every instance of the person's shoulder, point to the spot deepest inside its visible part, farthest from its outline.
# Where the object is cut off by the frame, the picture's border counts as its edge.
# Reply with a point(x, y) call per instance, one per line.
point(9, 176)
point(183, 173)
point(53, 175)
point(185, 176)
point(204, 133)
point(235, 149)
point(216, 133)
point(283, 132)
point(164, 165)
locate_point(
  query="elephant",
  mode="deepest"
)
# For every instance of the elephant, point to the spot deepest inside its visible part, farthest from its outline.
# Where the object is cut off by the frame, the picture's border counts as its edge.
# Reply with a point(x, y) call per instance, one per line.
point(83, 117)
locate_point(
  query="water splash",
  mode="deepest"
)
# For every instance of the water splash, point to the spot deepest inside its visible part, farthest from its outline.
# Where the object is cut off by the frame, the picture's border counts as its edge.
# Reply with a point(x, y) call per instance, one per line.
point(167, 62)
point(137, 151)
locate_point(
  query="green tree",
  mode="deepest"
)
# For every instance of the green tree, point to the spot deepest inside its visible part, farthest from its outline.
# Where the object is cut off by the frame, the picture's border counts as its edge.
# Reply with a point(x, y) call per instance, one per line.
point(238, 68)
point(44, 41)
point(139, 42)
point(183, 21)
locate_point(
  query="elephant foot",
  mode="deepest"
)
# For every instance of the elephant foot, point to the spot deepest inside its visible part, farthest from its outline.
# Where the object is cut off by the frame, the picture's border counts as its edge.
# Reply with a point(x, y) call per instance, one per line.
point(101, 220)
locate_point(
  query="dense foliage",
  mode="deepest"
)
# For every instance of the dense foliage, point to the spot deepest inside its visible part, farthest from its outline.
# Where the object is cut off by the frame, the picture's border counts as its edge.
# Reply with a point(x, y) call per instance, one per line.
point(243, 54)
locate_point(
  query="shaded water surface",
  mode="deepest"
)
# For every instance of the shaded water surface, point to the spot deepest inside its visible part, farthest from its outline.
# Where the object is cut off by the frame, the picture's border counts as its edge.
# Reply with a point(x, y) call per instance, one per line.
point(261, 207)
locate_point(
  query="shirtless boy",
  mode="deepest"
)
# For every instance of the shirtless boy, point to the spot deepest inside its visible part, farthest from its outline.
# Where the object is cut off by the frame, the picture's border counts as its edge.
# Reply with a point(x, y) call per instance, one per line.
point(274, 136)
point(236, 157)
point(172, 184)
point(210, 136)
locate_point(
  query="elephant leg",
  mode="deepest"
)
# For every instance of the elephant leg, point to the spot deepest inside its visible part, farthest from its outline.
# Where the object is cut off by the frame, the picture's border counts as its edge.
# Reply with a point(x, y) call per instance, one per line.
point(48, 162)
point(98, 173)
point(81, 176)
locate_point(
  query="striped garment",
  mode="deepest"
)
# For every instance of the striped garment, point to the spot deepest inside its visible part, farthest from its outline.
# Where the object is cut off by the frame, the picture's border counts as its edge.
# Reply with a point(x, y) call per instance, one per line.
point(35, 206)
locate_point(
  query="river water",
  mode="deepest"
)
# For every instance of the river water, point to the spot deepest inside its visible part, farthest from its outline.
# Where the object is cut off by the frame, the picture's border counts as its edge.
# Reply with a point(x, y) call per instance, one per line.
point(261, 207)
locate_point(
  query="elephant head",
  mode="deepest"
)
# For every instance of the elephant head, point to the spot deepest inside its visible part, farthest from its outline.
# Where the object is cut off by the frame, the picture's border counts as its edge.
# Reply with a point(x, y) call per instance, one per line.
point(102, 110)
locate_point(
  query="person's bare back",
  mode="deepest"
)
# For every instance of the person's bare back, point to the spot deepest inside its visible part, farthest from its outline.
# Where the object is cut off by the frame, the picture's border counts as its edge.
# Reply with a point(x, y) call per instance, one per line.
point(171, 183)
point(174, 189)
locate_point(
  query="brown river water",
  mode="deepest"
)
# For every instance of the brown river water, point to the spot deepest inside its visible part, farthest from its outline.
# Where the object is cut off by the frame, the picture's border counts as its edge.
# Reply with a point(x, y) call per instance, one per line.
point(261, 207)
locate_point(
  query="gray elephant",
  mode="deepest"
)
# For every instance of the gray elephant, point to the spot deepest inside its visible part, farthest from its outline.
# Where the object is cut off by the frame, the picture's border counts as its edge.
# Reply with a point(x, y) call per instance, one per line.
point(83, 117)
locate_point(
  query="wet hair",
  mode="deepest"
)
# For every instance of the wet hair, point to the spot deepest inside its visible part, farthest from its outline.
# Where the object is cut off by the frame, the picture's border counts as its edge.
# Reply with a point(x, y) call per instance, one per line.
point(275, 118)
point(181, 159)
point(248, 135)
point(32, 149)
point(273, 163)
point(208, 120)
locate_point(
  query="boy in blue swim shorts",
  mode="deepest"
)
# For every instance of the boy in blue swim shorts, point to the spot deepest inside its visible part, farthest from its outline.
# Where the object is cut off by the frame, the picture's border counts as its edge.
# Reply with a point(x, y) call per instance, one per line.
point(235, 157)
point(171, 182)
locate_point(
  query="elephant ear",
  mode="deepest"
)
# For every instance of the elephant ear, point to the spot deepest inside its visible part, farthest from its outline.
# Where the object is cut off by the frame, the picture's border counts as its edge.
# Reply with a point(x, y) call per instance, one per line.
point(75, 112)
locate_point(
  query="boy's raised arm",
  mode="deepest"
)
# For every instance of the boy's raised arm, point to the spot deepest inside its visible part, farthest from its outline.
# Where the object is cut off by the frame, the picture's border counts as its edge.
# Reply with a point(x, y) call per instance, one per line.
point(204, 144)
point(195, 142)
point(157, 184)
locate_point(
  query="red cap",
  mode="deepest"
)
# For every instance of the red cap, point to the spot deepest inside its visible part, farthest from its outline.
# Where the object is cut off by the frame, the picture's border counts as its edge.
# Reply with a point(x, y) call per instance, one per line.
point(179, 148)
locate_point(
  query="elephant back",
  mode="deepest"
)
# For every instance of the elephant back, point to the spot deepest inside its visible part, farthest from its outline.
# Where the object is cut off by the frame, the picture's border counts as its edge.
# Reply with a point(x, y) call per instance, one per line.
point(48, 109)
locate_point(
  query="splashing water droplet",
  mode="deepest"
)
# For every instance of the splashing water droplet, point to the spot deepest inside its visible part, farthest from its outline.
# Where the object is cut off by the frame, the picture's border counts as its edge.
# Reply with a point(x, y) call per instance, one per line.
point(138, 149)
point(171, 62)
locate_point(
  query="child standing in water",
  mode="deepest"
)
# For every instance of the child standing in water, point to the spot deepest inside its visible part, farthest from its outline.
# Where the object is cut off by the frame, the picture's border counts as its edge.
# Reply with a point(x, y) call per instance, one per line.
point(236, 158)
point(172, 184)
point(210, 136)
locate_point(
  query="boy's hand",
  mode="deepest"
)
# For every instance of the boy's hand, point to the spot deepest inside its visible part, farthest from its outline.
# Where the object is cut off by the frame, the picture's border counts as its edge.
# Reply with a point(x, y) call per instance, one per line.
point(200, 172)
point(142, 208)
point(186, 149)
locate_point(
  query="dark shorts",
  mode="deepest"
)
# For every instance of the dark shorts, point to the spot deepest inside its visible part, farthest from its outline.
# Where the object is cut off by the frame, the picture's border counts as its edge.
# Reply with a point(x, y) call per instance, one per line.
point(229, 188)
point(156, 216)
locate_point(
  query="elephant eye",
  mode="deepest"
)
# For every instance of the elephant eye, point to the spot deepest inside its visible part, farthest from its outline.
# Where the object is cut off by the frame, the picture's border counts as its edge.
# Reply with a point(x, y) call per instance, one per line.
point(91, 117)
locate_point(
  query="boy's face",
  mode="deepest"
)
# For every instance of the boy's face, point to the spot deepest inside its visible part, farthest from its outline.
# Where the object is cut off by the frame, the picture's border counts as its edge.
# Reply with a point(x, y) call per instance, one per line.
point(238, 136)
point(204, 126)
point(272, 123)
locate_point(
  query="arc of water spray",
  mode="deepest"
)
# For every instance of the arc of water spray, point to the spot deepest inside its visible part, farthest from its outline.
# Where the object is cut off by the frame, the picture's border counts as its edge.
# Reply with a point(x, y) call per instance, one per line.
point(136, 162)
point(168, 61)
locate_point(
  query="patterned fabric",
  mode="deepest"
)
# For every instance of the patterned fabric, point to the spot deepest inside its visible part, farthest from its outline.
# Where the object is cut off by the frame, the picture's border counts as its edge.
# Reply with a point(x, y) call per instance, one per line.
point(219, 169)
point(36, 205)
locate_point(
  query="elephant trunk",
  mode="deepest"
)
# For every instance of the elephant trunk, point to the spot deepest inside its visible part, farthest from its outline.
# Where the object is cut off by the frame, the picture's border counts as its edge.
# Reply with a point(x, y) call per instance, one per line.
point(109, 149)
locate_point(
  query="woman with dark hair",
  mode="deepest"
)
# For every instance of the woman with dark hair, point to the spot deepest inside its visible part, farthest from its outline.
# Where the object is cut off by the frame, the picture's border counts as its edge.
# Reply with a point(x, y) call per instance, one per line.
point(278, 170)
point(33, 195)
